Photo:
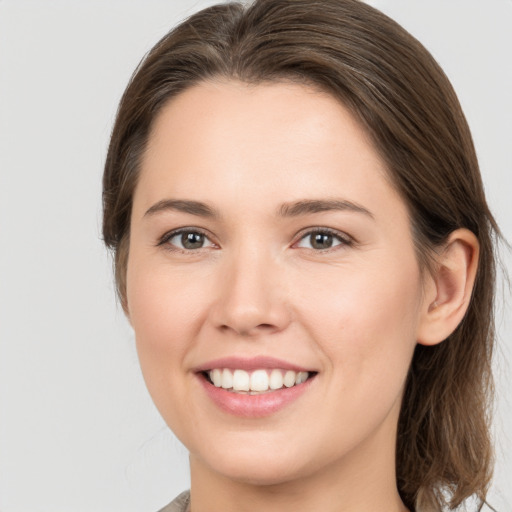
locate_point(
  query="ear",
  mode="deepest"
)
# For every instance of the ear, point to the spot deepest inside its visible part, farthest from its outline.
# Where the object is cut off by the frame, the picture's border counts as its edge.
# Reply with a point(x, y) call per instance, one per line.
point(448, 289)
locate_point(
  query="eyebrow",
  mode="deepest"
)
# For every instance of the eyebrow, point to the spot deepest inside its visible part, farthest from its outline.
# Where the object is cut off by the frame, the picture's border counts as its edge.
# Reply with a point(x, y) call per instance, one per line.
point(294, 209)
point(309, 206)
point(182, 205)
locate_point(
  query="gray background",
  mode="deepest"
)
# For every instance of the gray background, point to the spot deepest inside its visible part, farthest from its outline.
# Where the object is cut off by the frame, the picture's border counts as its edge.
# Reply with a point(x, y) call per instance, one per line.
point(77, 428)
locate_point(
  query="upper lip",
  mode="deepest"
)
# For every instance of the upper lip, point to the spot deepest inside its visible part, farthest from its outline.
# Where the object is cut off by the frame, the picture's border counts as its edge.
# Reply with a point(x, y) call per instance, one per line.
point(250, 364)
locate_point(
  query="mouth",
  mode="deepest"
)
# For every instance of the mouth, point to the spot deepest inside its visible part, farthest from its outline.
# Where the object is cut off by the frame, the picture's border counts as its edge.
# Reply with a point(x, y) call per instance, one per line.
point(255, 387)
point(256, 382)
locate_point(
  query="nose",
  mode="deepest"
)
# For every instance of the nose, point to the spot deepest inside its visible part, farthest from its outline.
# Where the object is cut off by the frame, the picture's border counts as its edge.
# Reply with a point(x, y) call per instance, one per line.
point(252, 297)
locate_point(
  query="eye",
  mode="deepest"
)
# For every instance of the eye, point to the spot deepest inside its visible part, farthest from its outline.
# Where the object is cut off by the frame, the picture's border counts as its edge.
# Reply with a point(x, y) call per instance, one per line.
point(187, 240)
point(322, 239)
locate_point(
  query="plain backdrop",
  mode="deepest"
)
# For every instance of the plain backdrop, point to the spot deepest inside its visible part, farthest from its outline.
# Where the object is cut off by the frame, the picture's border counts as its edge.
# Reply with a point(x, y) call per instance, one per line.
point(78, 430)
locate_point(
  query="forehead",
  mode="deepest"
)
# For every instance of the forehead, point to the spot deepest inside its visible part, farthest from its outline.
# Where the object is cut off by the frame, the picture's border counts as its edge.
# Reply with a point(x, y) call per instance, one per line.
point(227, 140)
point(225, 111)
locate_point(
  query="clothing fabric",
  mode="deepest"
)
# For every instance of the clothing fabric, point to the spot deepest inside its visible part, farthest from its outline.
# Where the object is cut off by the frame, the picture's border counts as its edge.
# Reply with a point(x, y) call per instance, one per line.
point(179, 504)
point(182, 504)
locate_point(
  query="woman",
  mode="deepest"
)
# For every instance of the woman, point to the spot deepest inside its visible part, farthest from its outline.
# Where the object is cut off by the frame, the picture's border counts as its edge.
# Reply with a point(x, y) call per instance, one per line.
point(304, 250)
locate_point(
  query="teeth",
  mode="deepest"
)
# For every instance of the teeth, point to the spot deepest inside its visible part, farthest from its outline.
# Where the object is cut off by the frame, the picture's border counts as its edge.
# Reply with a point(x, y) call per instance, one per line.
point(276, 379)
point(227, 379)
point(289, 379)
point(301, 377)
point(241, 380)
point(259, 380)
point(256, 381)
point(216, 376)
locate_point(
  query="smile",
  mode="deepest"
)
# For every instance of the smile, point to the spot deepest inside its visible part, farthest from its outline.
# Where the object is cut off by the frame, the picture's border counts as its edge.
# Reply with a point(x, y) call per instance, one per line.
point(257, 381)
point(254, 387)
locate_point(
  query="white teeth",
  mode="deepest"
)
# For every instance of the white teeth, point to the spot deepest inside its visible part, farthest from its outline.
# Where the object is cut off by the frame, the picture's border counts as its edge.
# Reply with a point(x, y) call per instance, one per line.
point(258, 381)
point(216, 376)
point(241, 380)
point(289, 379)
point(227, 379)
point(301, 377)
point(276, 379)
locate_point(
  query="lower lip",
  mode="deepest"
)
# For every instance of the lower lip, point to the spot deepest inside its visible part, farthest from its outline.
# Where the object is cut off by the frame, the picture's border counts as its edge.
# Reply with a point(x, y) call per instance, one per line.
point(253, 406)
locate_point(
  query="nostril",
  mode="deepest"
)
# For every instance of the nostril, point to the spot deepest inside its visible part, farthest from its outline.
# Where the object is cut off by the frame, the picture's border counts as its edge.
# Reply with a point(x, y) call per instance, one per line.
point(249, 331)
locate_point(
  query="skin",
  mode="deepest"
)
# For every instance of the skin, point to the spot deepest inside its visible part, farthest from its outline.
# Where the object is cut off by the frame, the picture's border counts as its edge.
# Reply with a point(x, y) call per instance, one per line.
point(353, 312)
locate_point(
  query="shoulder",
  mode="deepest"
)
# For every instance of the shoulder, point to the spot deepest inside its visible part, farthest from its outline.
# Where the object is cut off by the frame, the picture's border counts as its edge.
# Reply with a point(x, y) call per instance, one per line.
point(179, 504)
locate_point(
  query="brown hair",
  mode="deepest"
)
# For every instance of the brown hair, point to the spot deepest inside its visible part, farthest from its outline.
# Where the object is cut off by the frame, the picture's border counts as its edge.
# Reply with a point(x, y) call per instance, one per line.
point(401, 96)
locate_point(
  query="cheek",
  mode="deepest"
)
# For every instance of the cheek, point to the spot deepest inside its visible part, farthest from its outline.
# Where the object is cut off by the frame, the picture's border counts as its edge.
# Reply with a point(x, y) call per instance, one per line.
point(366, 320)
point(165, 311)
point(164, 304)
point(366, 328)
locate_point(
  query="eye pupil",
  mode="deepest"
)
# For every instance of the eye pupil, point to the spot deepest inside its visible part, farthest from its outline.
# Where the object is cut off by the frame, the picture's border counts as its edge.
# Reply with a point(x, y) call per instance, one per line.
point(321, 240)
point(192, 240)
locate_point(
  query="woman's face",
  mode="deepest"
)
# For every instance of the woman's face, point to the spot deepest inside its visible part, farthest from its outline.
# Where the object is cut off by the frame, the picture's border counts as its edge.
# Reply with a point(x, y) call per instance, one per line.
point(266, 242)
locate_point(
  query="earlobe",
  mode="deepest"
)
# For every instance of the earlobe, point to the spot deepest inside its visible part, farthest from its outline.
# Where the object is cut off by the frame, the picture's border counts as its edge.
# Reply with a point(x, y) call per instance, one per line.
point(450, 288)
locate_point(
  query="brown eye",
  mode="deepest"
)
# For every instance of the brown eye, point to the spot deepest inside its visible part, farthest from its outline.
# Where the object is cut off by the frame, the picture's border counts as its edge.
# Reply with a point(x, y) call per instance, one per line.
point(192, 240)
point(322, 240)
point(188, 240)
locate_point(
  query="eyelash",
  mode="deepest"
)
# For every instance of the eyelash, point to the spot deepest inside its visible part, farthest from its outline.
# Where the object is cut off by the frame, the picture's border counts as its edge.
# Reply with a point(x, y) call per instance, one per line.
point(343, 239)
point(164, 241)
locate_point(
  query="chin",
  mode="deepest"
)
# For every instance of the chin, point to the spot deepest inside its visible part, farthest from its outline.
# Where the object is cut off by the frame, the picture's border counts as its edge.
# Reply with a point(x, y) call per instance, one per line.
point(257, 464)
point(261, 473)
